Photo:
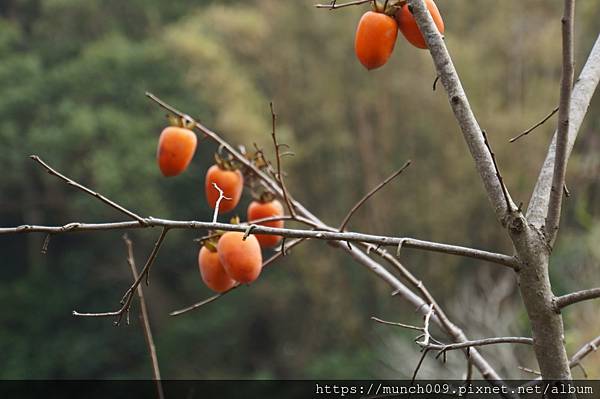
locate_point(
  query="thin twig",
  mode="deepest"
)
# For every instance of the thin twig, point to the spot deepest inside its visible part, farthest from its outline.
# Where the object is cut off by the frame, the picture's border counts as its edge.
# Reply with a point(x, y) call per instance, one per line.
point(420, 302)
point(427, 334)
point(583, 92)
point(414, 377)
point(562, 136)
point(463, 112)
point(476, 343)
point(215, 297)
point(279, 175)
point(145, 319)
point(99, 196)
point(370, 194)
point(469, 373)
point(392, 323)
point(532, 128)
point(154, 253)
point(218, 203)
point(576, 297)
point(128, 296)
point(498, 174)
point(528, 370)
point(334, 6)
point(584, 351)
point(45, 244)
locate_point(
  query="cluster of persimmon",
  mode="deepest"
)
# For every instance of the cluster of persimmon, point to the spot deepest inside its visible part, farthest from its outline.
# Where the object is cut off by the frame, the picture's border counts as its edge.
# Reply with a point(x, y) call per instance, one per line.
point(225, 258)
point(377, 30)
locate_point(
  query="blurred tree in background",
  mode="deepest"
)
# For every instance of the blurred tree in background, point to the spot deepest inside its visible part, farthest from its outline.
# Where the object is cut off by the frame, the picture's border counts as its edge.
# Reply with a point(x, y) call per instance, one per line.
point(72, 79)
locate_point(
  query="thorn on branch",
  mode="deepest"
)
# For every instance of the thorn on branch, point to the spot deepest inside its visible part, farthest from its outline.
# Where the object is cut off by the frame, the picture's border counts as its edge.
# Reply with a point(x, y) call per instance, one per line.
point(583, 370)
point(437, 78)
point(399, 248)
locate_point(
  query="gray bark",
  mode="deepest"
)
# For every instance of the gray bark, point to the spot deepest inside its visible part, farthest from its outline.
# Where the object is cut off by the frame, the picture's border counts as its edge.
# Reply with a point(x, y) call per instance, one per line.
point(583, 91)
point(528, 239)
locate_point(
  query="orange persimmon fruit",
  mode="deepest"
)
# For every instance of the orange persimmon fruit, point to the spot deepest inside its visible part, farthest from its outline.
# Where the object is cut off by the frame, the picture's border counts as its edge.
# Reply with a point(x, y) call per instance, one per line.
point(260, 210)
point(212, 271)
point(230, 181)
point(176, 147)
point(409, 28)
point(242, 259)
point(375, 39)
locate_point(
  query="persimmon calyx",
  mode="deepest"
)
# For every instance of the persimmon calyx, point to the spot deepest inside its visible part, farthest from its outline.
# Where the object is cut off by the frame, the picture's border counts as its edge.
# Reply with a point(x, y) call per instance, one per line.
point(226, 162)
point(184, 121)
point(388, 7)
point(266, 196)
point(211, 244)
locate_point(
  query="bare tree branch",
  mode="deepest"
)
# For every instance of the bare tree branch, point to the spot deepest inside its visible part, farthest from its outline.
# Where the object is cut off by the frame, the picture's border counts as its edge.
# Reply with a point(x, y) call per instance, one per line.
point(478, 361)
point(102, 198)
point(562, 139)
point(576, 360)
point(462, 110)
point(439, 318)
point(328, 235)
point(580, 100)
point(576, 297)
point(531, 247)
point(371, 193)
point(392, 323)
point(128, 296)
point(479, 342)
point(145, 320)
point(584, 351)
point(426, 333)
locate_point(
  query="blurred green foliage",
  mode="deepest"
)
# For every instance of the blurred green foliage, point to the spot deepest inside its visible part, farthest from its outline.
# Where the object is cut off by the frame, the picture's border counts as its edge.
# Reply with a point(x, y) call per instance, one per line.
point(72, 81)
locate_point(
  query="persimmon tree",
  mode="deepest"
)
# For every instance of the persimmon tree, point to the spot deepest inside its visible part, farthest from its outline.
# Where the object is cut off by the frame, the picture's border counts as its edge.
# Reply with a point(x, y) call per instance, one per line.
point(533, 231)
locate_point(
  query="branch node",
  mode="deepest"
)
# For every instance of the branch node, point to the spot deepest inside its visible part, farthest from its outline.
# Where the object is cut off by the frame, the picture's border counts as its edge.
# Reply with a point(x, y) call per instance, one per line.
point(248, 231)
